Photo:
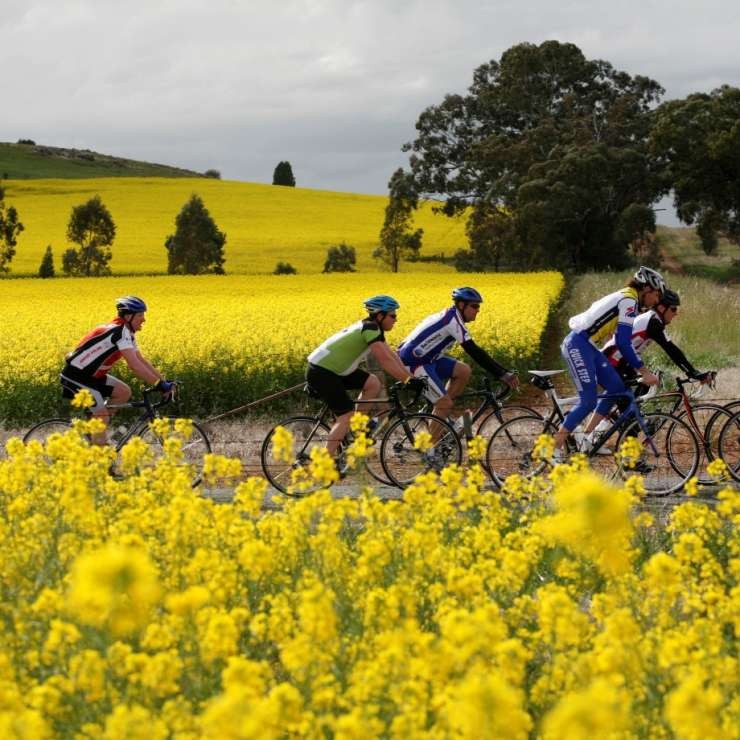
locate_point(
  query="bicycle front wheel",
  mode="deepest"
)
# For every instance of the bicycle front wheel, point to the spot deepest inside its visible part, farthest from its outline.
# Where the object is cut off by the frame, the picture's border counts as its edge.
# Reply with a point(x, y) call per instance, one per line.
point(670, 453)
point(194, 449)
point(400, 458)
point(729, 445)
point(496, 418)
point(307, 432)
point(511, 447)
point(44, 429)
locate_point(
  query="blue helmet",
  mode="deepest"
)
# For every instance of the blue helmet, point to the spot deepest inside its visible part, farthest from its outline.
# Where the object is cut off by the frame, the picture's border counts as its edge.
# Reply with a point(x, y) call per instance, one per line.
point(381, 304)
point(130, 304)
point(467, 294)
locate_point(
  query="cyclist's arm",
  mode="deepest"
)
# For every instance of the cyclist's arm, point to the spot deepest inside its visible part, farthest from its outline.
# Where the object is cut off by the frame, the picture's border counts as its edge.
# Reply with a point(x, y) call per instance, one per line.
point(389, 361)
point(623, 339)
point(480, 356)
point(656, 332)
point(140, 367)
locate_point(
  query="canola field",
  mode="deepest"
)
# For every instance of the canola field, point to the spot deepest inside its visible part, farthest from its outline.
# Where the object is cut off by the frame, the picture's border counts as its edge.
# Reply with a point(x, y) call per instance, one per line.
point(234, 339)
point(264, 224)
point(134, 608)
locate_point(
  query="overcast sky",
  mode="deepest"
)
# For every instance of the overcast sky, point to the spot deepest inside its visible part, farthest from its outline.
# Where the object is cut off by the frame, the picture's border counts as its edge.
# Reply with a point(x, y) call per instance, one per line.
point(333, 86)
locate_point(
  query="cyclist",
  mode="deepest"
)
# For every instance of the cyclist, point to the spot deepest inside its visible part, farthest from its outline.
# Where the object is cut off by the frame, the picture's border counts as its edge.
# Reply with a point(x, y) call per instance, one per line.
point(650, 327)
point(333, 367)
point(613, 314)
point(422, 352)
point(87, 365)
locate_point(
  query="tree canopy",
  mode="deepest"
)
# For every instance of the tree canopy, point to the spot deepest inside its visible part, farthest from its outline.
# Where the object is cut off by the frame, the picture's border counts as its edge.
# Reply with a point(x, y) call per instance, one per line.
point(91, 226)
point(397, 239)
point(197, 246)
point(10, 227)
point(698, 142)
point(283, 175)
point(558, 140)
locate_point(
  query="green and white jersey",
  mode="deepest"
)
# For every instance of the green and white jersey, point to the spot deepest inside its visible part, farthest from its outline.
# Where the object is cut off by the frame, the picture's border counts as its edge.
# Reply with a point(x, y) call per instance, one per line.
point(345, 350)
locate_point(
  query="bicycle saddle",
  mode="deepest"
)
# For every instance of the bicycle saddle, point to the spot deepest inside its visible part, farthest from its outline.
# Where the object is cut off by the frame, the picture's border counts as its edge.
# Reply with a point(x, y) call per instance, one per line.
point(545, 373)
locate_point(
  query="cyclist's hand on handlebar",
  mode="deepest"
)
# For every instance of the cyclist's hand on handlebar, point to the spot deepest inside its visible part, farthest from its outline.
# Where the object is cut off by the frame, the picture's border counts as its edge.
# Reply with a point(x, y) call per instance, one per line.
point(166, 387)
point(511, 379)
point(648, 378)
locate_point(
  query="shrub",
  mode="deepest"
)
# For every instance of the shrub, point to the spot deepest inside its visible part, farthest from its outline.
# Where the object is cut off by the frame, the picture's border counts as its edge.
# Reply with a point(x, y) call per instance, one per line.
point(341, 258)
point(214, 174)
point(197, 246)
point(46, 270)
point(284, 268)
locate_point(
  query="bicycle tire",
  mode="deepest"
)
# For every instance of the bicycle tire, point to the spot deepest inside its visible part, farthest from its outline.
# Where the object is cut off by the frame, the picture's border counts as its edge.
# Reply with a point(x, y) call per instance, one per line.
point(402, 463)
point(729, 445)
point(709, 418)
point(279, 473)
point(44, 429)
point(679, 453)
point(507, 413)
point(510, 448)
point(194, 448)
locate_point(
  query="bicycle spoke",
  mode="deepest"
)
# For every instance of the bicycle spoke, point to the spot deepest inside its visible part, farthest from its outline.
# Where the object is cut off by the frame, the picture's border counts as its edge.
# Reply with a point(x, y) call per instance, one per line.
point(510, 450)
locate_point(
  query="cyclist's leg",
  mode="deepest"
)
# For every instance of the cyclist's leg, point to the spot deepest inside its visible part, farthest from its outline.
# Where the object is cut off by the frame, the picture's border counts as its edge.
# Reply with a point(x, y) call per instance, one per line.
point(580, 358)
point(457, 375)
point(98, 390)
point(608, 378)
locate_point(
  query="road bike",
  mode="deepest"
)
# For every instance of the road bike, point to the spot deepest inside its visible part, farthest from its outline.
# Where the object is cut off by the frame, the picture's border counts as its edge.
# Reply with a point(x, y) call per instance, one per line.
point(670, 450)
point(194, 447)
point(401, 434)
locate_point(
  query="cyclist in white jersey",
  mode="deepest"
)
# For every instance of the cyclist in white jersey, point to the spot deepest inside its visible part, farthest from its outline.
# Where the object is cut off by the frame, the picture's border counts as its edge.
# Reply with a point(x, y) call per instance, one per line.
point(87, 365)
point(422, 351)
point(650, 327)
point(613, 314)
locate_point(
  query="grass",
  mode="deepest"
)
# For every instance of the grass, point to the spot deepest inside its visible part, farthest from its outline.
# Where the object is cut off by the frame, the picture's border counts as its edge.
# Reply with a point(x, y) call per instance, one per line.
point(25, 161)
point(683, 245)
point(264, 224)
point(708, 341)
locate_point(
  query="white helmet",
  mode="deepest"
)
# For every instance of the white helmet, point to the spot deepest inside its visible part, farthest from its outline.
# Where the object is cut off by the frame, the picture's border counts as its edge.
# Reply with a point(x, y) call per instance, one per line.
point(648, 276)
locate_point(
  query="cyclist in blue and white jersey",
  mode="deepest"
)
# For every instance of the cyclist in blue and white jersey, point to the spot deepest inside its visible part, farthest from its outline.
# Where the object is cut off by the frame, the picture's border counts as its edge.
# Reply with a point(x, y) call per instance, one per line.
point(422, 351)
point(613, 314)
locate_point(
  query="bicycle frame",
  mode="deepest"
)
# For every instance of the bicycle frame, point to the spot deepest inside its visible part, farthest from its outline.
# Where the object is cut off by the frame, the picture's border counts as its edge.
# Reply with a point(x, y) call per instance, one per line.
point(633, 410)
point(148, 415)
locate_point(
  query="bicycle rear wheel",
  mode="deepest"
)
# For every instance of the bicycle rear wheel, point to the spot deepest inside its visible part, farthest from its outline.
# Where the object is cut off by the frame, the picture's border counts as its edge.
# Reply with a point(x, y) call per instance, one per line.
point(307, 432)
point(44, 429)
point(511, 447)
point(491, 422)
point(677, 458)
point(194, 448)
point(729, 445)
point(402, 462)
point(710, 418)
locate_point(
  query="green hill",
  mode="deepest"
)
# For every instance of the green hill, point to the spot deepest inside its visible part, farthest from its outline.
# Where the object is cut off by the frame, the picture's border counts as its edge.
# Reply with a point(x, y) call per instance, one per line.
point(34, 161)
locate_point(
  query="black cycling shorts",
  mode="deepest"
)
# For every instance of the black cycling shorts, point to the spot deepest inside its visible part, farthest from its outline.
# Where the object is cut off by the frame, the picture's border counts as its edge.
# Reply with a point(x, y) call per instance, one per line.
point(332, 388)
point(100, 388)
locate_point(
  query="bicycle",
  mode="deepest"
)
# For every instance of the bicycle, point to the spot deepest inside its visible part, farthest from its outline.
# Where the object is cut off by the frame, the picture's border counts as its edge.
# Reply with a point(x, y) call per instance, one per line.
point(670, 449)
point(705, 418)
point(728, 445)
point(194, 448)
point(399, 457)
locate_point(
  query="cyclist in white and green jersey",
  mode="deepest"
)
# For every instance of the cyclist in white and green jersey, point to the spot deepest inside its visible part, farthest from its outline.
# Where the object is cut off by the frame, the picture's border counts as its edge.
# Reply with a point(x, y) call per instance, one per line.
point(333, 367)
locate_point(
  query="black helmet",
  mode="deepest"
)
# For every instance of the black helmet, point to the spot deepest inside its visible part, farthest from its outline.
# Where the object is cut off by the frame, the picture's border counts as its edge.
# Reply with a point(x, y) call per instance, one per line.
point(670, 298)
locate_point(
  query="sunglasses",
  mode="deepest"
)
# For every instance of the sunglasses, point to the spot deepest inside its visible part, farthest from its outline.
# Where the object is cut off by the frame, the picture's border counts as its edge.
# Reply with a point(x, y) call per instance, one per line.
point(392, 315)
point(474, 305)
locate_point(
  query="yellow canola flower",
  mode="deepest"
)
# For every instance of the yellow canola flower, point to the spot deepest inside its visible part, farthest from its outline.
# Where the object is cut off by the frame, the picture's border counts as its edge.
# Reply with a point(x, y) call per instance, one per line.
point(113, 587)
point(83, 399)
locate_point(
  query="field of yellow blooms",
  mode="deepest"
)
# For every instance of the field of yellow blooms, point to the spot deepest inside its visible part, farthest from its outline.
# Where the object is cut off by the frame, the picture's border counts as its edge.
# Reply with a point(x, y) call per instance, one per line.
point(234, 339)
point(132, 608)
point(264, 224)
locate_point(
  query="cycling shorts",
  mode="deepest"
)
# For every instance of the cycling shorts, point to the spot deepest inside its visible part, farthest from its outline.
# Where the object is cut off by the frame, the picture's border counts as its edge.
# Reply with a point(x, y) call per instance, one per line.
point(332, 388)
point(100, 388)
point(437, 374)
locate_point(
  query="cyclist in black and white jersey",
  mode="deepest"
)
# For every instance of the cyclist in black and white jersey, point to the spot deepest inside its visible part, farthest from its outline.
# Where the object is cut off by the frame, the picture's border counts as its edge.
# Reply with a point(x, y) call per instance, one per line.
point(87, 365)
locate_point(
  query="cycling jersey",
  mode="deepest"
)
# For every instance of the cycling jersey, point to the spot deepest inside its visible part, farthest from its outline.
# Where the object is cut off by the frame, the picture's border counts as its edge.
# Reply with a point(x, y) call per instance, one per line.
point(99, 350)
point(648, 328)
point(599, 321)
point(432, 337)
point(344, 351)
